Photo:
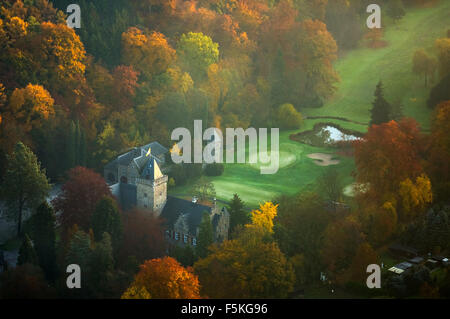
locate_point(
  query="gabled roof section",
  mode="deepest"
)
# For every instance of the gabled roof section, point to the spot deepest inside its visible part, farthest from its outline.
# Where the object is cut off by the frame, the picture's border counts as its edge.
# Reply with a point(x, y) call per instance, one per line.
point(125, 159)
point(176, 206)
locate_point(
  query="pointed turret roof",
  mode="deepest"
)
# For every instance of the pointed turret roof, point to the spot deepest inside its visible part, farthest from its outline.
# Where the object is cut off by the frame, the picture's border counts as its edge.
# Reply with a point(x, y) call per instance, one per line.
point(151, 170)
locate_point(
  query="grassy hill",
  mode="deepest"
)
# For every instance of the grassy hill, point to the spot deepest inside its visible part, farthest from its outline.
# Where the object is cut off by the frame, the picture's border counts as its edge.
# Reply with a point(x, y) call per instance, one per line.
point(361, 69)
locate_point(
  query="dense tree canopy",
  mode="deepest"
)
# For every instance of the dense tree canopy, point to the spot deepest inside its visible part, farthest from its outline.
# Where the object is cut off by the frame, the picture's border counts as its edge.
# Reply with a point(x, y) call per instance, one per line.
point(79, 197)
point(164, 278)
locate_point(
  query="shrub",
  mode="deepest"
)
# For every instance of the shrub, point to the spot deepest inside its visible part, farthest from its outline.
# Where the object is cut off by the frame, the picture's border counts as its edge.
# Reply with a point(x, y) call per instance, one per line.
point(287, 117)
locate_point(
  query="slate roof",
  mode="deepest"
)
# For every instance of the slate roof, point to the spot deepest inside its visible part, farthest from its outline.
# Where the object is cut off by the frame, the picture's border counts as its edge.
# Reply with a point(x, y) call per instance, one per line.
point(157, 149)
point(135, 153)
point(125, 159)
point(176, 206)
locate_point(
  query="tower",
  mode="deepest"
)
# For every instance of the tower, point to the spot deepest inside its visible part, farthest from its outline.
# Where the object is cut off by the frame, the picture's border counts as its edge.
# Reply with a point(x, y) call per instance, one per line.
point(151, 188)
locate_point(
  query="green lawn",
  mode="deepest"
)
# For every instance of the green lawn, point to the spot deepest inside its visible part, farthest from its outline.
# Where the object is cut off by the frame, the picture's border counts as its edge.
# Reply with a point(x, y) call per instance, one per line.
point(361, 69)
point(297, 172)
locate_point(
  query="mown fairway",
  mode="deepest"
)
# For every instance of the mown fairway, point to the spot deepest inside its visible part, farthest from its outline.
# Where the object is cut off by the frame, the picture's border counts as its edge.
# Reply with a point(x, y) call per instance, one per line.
point(361, 69)
point(297, 172)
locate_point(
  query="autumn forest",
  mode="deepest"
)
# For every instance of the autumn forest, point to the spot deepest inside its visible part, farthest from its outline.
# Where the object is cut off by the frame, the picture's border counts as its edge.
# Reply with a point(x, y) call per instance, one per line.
point(87, 176)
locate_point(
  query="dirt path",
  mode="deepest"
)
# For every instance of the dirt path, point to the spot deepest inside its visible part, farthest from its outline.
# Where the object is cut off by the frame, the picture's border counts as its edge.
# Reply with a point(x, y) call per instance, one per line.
point(322, 159)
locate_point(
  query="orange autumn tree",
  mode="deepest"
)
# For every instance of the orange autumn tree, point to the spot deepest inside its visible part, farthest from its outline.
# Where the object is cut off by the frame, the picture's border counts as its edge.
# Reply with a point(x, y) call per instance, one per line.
point(31, 105)
point(318, 51)
point(63, 53)
point(163, 278)
point(150, 54)
point(365, 255)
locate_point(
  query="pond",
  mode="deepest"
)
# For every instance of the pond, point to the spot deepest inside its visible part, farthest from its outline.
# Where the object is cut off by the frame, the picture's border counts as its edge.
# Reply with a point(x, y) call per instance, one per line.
point(325, 134)
point(332, 134)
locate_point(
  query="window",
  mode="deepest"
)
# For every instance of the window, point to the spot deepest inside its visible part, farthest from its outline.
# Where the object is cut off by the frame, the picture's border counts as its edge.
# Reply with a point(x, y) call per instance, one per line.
point(185, 239)
point(194, 241)
point(177, 236)
point(167, 233)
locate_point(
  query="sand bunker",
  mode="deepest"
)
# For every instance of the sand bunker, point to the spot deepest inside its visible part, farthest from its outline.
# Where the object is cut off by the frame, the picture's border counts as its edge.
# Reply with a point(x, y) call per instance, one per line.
point(323, 159)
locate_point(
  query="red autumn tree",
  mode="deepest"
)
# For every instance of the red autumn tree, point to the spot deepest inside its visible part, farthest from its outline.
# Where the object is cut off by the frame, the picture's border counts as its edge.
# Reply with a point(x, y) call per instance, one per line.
point(388, 154)
point(143, 236)
point(164, 278)
point(365, 255)
point(124, 87)
point(79, 197)
point(340, 244)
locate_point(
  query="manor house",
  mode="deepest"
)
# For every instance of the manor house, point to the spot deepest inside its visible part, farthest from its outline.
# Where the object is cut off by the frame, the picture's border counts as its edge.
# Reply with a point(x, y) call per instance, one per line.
point(137, 179)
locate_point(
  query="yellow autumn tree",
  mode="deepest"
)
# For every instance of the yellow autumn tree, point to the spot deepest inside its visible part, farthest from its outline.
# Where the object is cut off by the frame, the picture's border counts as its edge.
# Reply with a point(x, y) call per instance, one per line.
point(179, 81)
point(16, 28)
point(263, 217)
point(134, 292)
point(415, 196)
